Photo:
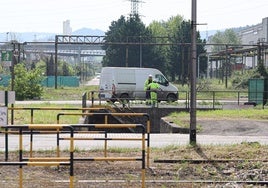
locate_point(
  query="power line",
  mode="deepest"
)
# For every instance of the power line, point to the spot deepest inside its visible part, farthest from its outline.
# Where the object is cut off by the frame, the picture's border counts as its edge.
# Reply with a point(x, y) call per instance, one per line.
point(135, 7)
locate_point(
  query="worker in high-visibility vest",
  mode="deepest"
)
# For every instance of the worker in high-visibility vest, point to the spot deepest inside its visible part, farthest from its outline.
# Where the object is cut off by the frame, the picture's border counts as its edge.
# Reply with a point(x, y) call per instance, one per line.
point(147, 89)
point(154, 88)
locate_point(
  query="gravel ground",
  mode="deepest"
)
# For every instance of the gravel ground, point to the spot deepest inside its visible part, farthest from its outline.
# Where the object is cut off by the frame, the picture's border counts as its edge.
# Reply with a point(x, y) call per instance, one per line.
point(234, 127)
point(237, 167)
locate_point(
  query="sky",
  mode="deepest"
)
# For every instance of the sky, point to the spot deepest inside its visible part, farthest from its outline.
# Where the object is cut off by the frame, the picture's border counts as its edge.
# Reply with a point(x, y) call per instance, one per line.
point(48, 16)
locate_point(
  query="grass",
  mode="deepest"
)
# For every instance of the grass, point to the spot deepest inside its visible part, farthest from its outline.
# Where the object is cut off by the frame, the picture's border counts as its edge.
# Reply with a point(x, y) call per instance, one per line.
point(208, 88)
point(254, 114)
point(44, 116)
point(70, 93)
point(183, 118)
point(67, 93)
point(244, 150)
point(50, 116)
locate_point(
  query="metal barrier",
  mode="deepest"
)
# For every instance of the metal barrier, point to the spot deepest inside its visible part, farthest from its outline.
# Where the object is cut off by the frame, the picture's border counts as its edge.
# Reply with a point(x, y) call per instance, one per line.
point(117, 126)
point(117, 114)
point(124, 99)
point(41, 161)
point(32, 109)
point(212, 96)
point(82, 132)
point(56, 161)
point(84, 100)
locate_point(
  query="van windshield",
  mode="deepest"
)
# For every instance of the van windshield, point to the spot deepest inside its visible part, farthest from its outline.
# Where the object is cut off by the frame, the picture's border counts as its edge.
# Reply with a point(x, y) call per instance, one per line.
point(161, 79)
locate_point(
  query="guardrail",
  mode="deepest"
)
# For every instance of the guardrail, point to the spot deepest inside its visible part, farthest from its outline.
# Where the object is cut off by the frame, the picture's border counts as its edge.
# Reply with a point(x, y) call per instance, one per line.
point(106, 138)
point(37, 161)
point(32, 109)
point(57, 161)
point(148, 129)
point(213, 97)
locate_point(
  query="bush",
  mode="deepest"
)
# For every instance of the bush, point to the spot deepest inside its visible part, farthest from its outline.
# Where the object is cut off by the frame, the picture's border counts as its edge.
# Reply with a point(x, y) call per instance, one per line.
point(27, 83)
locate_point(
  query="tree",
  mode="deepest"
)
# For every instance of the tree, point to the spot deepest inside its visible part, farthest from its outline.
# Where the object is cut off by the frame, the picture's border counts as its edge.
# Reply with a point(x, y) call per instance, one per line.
point(172, 60)
point(201, 55)
point(179, 54)
point(50, 70)
point(27, 83)
point(228, 39)
point(126, 31)
point(261, 70)
point(47, 67)
point(163, 53)
point(229, 36)
point(159, 52)
point(65, 69)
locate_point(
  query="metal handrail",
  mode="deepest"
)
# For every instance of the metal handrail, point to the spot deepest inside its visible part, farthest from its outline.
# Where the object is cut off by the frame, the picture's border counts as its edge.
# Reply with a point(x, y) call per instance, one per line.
point(211, 96)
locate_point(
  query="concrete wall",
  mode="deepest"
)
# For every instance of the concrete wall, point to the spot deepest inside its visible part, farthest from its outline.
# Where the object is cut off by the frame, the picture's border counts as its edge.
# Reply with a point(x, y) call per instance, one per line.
point(169, 127)
point(254, 34)
point(156, 114)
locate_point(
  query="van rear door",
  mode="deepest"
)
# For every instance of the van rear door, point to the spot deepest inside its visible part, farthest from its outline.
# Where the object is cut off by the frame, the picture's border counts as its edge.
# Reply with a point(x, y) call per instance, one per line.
point(106, 83)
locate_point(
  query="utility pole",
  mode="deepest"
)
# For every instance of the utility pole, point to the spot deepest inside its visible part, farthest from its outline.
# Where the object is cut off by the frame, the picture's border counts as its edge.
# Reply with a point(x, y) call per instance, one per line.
point(7, 37)
point(56, 61)
point(193, 76)
point(140, 53)
point(226, 66)
point(127, 53)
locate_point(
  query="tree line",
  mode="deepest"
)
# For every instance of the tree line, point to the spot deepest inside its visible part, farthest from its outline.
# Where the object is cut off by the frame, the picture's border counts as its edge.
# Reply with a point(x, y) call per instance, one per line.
point(170, 52)
point(164, 45)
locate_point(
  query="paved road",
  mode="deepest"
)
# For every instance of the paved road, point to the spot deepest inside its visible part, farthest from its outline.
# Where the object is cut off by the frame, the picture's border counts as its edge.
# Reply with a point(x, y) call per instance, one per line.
point(94, 82)
point(45, 142)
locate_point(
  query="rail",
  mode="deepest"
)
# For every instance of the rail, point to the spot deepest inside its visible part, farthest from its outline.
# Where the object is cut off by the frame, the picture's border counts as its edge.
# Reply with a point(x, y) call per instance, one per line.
point(117, 114)
point(40, 161)
point(211, 98)
point(56, 161)
point(32, 109)
point(106, 158)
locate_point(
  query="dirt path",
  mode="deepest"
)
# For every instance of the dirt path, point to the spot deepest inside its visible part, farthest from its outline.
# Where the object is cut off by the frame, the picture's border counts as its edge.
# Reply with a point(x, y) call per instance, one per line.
point(236, 127)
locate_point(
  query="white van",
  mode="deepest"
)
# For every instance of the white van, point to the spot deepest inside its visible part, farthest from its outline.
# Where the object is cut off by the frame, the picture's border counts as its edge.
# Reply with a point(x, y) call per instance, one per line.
point(128, 83)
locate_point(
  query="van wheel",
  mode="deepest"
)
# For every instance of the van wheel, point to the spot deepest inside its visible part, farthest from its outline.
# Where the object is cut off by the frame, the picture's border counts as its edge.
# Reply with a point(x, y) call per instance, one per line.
point(111, 100)
point(171, 98)
point(124, 98)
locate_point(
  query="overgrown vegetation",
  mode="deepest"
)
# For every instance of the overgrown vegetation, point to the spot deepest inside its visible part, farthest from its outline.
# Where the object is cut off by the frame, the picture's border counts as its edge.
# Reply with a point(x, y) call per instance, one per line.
point(172, 60)
point(27, 82)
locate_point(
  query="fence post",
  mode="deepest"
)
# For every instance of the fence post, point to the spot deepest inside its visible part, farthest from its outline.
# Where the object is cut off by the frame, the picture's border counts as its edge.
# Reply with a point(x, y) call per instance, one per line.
point(238, 97)
point(213, 100)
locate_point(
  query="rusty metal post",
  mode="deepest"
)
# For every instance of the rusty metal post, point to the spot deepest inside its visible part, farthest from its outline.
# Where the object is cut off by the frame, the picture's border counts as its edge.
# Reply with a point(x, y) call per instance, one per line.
point(193, 77)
